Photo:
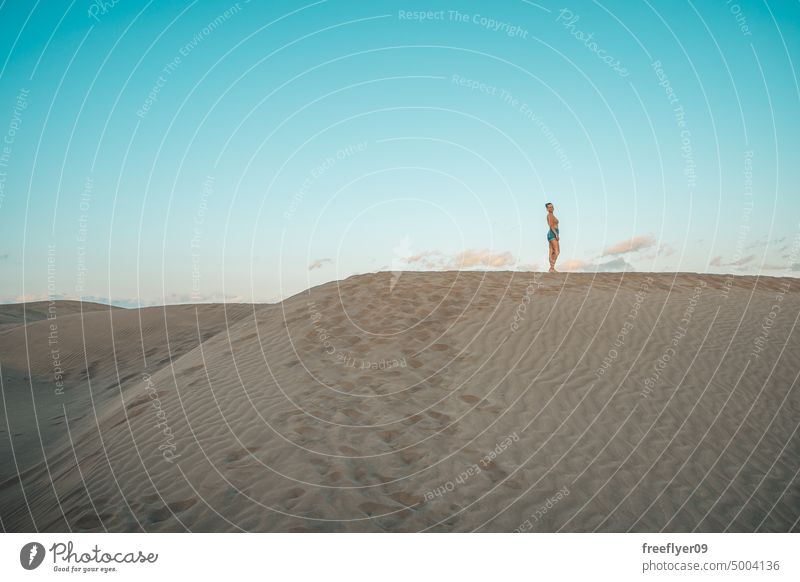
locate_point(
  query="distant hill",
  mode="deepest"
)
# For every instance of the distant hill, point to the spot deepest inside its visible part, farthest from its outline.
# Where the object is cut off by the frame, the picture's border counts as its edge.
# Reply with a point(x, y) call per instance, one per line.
point(20, 313)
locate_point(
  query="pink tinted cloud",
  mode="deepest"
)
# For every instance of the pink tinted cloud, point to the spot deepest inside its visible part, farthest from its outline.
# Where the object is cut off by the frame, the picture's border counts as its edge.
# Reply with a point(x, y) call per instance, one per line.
point(636, 243)
point(482, 258)
point(573, 265)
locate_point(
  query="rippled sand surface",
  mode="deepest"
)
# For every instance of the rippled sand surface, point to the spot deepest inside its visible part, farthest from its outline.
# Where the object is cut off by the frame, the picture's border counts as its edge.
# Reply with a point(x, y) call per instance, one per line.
point(451, 401)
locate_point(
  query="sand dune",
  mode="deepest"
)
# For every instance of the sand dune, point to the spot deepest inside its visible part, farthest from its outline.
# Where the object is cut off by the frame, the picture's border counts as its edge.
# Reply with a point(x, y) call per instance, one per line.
point(454, 401)
point(77, 362)
point(21, 313)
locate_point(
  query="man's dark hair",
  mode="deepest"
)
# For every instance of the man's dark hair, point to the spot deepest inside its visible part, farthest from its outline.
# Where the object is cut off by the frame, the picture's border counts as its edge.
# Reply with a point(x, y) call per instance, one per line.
point(548, 204)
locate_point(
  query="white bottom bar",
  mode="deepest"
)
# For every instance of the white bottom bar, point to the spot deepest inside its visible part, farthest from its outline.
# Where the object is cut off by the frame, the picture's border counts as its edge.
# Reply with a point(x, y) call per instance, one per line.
point(354, 557)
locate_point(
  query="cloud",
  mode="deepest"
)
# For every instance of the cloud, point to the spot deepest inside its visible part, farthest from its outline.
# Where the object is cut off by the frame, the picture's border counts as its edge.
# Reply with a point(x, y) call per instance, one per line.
point(761, 242)
point(784, 267)
point(527, 267)
point(470, 258)
point(577, 265)
point(426, 260)
point(618, 264)
point(666, 250)
point(741, 262)
point(177, 298)
point(637, 243)
point(486, 259)
point(318, 264)
point(421, 257)
point(573, 265)
point(482, 258)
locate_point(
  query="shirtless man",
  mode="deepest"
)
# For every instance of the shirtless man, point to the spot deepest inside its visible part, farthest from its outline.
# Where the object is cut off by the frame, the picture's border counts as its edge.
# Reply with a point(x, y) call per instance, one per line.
point(552, 236)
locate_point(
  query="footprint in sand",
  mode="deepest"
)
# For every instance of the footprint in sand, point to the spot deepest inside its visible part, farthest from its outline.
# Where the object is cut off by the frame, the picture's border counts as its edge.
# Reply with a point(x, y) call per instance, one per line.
point(389, 436)
point(321, 465)
point(421, 336)
point(372, 509)
point(443, 418)
point(169, 510)
point(292, 497)
point(192, 369)
point(138, 402)
point(406, 499)
point(352, 414)
point(305, 431)
point(91, 521)
point(410, 457)
point(240, 454)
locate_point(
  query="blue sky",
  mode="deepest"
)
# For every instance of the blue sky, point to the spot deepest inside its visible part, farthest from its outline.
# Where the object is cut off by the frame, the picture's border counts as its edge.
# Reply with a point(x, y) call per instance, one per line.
point(175, 152)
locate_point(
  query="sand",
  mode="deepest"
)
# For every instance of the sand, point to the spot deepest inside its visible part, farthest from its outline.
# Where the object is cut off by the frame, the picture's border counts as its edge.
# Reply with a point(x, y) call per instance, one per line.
point(450, 401)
